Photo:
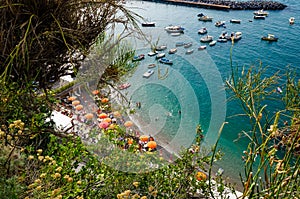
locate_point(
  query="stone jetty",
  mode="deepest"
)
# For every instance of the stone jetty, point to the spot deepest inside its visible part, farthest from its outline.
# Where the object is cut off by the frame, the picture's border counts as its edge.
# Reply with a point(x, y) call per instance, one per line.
point(227, 4)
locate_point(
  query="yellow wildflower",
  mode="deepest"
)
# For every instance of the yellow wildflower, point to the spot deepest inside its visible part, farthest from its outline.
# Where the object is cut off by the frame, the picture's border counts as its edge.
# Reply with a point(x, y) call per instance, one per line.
point(57, 175)
point(144, 197)
point(136, 184)
point(127, 192)
point(55, 191)
point(43, 175)
point(79, 182)
point(38, 188)
point(41, 158)
point(58, 169)
point(31, 157)
point(31, 186)
point(70, 179)
point(38, 181)
point(151, 188)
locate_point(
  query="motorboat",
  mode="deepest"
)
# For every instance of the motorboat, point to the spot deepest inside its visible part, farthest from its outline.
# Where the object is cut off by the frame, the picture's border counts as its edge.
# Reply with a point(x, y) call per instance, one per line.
point(124, 86)
point(202, 47)
point(223, 35)
point(151, 65)
point(220, 23)
point(202, 31)
point(190, 51)
point(172, 50)
point(235, 21)
point(292, 20)
point(138, 57)
point(179, 44)
point(206, 39)
point(151, 53)
point(270, 37)
point(160, 48)
point(236, 36)
point(259, 17)
point(222, 40)
point(261, 13)
point(160, 55)
point(205, 18)
point(148, 73)
point(148, 24)
point(165, 61)
point(187, 45)
point(174, 29)
point(212, 43)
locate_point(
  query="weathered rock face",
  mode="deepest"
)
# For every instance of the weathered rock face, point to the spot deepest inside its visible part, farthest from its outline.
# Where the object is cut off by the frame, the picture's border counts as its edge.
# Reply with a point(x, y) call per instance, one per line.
point(234, 5)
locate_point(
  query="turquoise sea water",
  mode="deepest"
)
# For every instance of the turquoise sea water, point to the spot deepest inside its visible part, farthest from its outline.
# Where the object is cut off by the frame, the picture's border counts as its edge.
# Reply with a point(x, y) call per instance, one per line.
point(194, 83)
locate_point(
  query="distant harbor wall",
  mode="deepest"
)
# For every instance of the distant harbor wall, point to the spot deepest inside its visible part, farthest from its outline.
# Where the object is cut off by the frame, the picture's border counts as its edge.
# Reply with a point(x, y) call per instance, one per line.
point(227, 4)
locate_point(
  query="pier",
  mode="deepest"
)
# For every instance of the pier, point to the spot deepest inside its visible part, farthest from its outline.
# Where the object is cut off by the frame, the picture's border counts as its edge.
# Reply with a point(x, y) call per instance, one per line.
point(226, 4)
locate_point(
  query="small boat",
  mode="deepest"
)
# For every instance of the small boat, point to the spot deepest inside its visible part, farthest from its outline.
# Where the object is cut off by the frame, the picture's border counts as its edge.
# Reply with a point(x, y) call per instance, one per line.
point(151, 65)
point(151, 53)
point(212, 43)
point(279, 90)
point(160, 55)
point(259, 17)
point(160, 48)
point(124, 86)
point(202, 47)
point(223, 35)
point(261, 13)
point(165, 61)
point(174, 29)
point(148, 24)
point(222, 40)
point(202, 31)
point(270, 37)
point(207, 38)
point(292, 20)
point(190, 51)
point(179, 44)
point(187, 45)
point(235, 21)
point(172, 50)
point(205, 18)
point(148, 73)
point(138, 57)
point(175, 34)
point(220, 23)
point(236, 36)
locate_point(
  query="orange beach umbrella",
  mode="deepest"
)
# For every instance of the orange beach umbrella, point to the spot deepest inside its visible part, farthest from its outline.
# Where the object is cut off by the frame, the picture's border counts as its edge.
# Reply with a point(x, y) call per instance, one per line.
point(103, 115)
point(75, 103)
point(128, 123)
point(72, 98)
point(89, 116)
point(152, 144)
point(144, 138)
point(79, 107)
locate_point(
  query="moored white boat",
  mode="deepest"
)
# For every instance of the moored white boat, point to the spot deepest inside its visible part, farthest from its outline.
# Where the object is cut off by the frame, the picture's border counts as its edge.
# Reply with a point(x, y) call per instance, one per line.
point(207, 38)
point(174, 29)
point(270, 37)
point(172, 50)
point(205, 18)
point(160, 48)
point(202, 31)
point(261, 13)
point(148, 73)
point(151, 65)
point(212, 43)
point(220, 24)
point(160, 55)
point(151, 53)
point(202, 47)
point(187, 45)
point(292, 20)
point(235, 21)
point(138, 57)
point(190, 51)
point(179, 44)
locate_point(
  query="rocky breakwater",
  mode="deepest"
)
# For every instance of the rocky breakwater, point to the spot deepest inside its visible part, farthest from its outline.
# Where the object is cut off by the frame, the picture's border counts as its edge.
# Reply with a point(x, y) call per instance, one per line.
point(248, 5)
point(227, 4)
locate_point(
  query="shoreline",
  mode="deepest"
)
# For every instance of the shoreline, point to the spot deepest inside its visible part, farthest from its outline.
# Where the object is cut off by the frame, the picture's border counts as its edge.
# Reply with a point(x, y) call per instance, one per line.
point(226, 5)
